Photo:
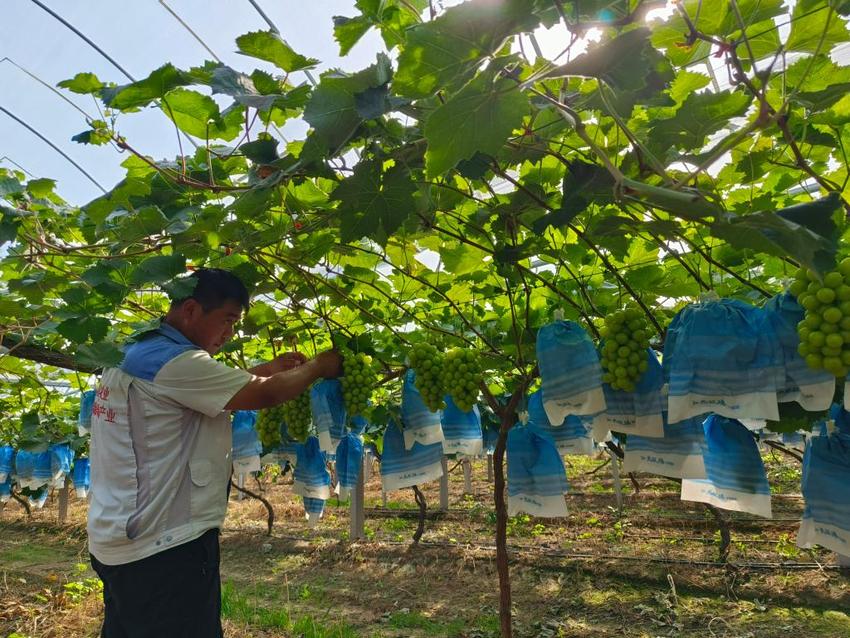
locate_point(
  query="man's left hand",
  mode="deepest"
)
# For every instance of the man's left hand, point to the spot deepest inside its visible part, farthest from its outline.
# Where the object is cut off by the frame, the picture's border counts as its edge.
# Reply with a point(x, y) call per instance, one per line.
point(287, 361)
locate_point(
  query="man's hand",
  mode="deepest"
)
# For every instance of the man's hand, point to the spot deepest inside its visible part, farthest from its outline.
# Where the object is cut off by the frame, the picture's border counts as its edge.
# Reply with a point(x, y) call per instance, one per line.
point(281, 363)
point(330, 364)
point(288, 360)
point(265, 391)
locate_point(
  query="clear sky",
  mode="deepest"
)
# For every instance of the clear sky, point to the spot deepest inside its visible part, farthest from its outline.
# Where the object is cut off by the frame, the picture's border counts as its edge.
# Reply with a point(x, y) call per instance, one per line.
point(141, 35)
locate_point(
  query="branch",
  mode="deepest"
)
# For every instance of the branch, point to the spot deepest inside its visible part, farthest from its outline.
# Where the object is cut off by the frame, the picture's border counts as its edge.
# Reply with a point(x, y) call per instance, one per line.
point(423, 508)
point(784, 450)
point(20, 349)
point(269, 508)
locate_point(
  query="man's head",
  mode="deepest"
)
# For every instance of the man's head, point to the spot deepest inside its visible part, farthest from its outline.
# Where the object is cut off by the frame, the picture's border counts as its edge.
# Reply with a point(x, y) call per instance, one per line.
point(208, 316)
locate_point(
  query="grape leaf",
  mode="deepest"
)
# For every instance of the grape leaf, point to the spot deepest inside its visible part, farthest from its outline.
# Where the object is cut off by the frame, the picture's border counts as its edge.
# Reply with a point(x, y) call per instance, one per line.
point(477, 119)
point(82, 83)
point(132, 96)
point(158, 269)
point(373, 202)
point(99, 355)
point(269, 46)
point(447, 50)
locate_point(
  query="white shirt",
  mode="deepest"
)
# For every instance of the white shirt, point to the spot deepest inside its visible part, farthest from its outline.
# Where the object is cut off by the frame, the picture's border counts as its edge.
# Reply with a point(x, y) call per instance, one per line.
point(160, 448)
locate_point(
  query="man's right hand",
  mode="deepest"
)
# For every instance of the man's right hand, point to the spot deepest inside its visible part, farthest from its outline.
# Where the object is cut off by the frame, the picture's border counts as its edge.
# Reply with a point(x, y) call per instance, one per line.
point(265, 392)
point(329, 363)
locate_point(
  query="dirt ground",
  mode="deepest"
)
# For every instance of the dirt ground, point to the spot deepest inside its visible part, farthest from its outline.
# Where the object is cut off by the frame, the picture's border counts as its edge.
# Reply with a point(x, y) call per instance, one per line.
point(649, 570)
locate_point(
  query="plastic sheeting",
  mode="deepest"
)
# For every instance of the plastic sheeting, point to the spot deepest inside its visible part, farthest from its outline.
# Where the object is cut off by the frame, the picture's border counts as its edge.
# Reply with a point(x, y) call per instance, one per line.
point(6, 489)
point(401, 467)
point(537, 480)
point(570, 437)
point(81, 477)
point(246, 442)
point(311, 478)
point(735, 476)
point(570, 372)
point(420, 424)
point(7, 461)
point(678, 454)
point(86, 406)
point(329, 413)
point(349, 463)
point(61, 458)
point(721, 357)
point(826, 477)
point(462, 430)
point(33, 469)
point(812, 389)
point(637, 412)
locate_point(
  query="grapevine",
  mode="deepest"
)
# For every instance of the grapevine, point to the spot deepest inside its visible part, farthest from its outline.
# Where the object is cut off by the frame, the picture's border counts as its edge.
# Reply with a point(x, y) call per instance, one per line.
point(298, 416)
point(268, 426)
point(825, 329)
point(427, 363)
point(626, 333)
point(357, 382)
point(463, 377)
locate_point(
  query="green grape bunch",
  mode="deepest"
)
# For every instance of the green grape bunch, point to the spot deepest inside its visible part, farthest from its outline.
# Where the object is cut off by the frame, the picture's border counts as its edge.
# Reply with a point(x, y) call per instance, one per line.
point(298, 416)
point(358, 380)
point(825, 329)
point(626, 333)
point(462, 375)
point(268, 426)
point(427, 362)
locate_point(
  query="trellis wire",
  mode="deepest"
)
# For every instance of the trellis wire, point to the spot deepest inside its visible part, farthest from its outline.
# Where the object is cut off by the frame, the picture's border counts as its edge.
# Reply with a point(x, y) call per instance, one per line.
point(44, 139)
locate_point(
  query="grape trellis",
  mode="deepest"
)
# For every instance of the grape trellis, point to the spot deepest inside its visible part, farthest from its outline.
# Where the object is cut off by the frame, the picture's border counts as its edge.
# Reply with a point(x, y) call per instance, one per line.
point(449, 198)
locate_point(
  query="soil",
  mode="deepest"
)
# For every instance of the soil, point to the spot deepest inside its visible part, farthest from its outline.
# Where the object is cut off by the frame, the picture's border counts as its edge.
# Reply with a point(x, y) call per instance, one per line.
point(649, 570)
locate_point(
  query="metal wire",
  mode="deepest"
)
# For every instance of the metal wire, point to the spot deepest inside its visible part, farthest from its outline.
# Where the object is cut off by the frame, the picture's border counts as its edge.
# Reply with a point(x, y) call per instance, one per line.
point(53, 146)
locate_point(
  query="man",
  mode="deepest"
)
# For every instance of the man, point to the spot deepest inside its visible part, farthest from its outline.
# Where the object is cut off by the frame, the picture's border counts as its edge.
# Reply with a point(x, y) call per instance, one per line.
point(160, 461)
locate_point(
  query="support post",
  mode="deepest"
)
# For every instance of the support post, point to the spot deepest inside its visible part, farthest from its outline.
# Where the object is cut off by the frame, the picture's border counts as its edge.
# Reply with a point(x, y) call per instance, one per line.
point(618, 486)
point(358, 512)
point(63, 500)
point(240, 482)
point(467, 476)
point(444, 485)
point(489, 468)
point(367, 465)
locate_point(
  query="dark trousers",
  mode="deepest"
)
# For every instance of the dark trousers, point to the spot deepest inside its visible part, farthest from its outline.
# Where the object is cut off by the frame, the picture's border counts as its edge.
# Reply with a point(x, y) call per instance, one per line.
point(173, 594)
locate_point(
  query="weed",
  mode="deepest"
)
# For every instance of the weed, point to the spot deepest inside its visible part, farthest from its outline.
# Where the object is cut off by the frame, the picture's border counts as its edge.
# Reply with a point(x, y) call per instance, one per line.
point(78, 590)
point(241, 608)
point(397, 525)
point(787, 548)
point(406, 619)
point(617, 533)
point(519, 525)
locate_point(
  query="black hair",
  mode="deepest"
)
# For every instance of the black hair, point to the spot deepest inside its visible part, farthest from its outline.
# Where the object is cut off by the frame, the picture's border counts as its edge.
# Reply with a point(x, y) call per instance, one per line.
point(214, 287)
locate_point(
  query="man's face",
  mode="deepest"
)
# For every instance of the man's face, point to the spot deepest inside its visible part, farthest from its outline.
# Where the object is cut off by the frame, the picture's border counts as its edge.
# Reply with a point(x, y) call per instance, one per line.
point(211, 330)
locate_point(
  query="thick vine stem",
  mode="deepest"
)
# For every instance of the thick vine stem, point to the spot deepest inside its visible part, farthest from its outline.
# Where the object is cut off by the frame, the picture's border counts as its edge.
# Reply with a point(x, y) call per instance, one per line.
point(423, 510)
point(268, 506)
point(507, 417)
point(23, 503)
